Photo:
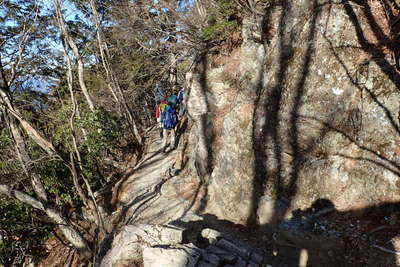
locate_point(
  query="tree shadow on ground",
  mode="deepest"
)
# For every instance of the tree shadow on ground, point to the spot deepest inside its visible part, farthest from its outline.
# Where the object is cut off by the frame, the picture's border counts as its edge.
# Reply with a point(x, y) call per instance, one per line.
point(323, 236)
point(382, 39)
point(271, 140)
point(203, 161)
point(316, 236)
point(269, 115)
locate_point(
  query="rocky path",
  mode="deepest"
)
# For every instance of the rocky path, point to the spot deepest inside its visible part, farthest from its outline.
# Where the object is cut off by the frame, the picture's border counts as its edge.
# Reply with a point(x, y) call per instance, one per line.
point(165, 246)
point(157, 194)
point(150, 192)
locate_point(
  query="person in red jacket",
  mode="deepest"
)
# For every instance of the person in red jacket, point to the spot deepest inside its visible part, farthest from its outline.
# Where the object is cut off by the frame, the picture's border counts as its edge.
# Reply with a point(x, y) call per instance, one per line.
point(159, 109)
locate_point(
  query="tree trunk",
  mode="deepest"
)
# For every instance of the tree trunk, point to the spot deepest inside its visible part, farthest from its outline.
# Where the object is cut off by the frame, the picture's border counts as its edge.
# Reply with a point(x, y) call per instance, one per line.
point(29, 129)
point(148, 110)
point(201, 10)
point(75, 51)
point(26, 160)
point(173, 79)
point(112, 80)
point(88, 199)
point(70, 233)
point(101, 44)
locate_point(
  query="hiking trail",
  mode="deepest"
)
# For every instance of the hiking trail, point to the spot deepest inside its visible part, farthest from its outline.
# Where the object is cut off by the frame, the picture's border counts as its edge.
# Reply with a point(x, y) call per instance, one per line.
point(148, 193)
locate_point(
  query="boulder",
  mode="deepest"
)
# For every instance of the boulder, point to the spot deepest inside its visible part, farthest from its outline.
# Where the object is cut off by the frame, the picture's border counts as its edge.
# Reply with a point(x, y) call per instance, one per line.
point(177, 256)
point(129, 243)
point(211, 235)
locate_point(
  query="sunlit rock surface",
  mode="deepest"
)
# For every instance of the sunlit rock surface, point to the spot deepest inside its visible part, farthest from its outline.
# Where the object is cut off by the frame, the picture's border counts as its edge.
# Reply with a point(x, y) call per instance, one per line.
point(311, 113)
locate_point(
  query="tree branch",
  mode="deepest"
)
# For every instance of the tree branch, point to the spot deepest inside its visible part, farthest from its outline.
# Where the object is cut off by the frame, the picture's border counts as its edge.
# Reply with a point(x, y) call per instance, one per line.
point(70, 233)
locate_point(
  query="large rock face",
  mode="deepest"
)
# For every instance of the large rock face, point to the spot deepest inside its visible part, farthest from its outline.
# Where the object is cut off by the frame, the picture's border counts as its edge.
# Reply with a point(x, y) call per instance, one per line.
point(309, 112)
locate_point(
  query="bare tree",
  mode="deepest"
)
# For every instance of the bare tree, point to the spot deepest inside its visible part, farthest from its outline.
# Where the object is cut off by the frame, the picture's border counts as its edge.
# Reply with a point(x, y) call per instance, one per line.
point(19, 126)
point(41, 203)
point(71, 43)
point(112, 80)
point(87, 198)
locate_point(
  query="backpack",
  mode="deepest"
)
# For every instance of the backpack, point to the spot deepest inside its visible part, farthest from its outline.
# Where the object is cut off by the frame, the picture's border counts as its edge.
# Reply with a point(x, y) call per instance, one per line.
point(169, 118)
point(162, 108)
point(173, 100)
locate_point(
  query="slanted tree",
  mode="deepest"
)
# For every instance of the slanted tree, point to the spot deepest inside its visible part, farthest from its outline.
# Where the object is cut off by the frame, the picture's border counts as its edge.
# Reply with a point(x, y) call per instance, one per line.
point(14, 52)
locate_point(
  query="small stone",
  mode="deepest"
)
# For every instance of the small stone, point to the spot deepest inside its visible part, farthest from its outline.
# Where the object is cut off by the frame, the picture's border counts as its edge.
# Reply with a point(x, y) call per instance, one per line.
point(191, 217)
point(171, 235)
point(211, 235)
point(275, 252)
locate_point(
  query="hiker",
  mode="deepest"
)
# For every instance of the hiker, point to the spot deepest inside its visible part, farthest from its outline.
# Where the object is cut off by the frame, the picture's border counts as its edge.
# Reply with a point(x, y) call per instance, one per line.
point(159, 93)
point(169, 120)
point(159, 97)
point(181, 102)
point(173, 101)
point(161, 105)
